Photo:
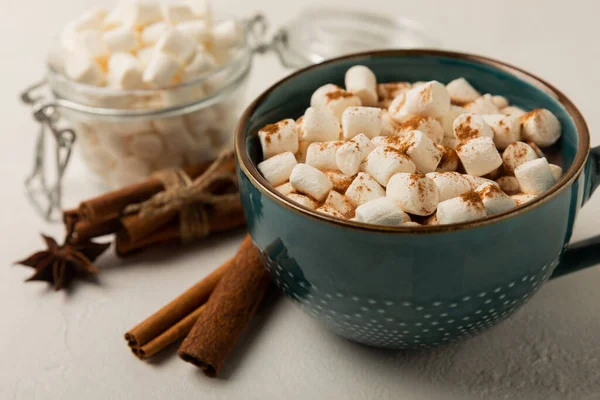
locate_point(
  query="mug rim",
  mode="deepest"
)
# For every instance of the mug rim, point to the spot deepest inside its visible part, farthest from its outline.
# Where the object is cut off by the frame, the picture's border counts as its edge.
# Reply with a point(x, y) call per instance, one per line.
point(250, 170)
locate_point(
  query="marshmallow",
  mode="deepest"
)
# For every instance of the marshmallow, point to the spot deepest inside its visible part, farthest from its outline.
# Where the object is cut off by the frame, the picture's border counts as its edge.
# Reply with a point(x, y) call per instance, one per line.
point(328, 210)
point(318, 125)
point(507, 129)
point(514, 111)
point(411, 223)
point(447, 121)
point(121, 40)
point(139, 13)
point(352, 153)
point(509, 184)
point(152, 33)
point(100, 161)
point(483, 105)
point(479, 155)
point(177, 45)
point(500, 101)
point(556, 171)
point(449, 161)
point(113, 18)
point(422, 151)
point(468, 126)
point(310, 181)
point(340, 182)
point(175, 13)
point(285, 189)
point(461, 91)
point(431, 99)
point(363, 189)
point(516, 154)
point(301, 153)
point(428, 125)
point(476, 181)
point(168, 160)
point(389, 126)
point(82, 69)
point(227, 34)
point(92, 19)
point(494, 199)
point(361, 81)
point(521, 199)
point(383, 162)
point(415, 193)
point(144, 55)
point(128, 171)
point(535, 177)
point(278, 138)
point(450, 142)
point(537, 149)
point(431, 220)
point(386, 92)
point(340, 203)
point(321, 155)
point(541, 127)
point(449, 184)
point(397, 110)
point(334, 99)
point(199, 30)
point(303, 200)
point(124, 71)
point(466, 207)
point(91, 44)
point(201, 63)
point(201, 9)
point(366, 120)
point(382, 211)
point(161, 69)
point(146, 146)
point(278, 168)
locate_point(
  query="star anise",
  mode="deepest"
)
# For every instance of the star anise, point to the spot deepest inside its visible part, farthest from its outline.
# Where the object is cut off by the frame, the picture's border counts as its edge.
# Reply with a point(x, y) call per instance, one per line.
point(58, 265)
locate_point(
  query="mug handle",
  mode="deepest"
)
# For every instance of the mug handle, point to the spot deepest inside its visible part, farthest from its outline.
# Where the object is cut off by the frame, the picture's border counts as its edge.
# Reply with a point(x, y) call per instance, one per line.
point(585, 253)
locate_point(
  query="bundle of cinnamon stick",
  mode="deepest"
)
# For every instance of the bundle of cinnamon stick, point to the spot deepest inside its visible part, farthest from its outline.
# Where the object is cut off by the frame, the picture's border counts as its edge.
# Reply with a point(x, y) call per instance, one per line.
point(211, 315)
point(135, 230)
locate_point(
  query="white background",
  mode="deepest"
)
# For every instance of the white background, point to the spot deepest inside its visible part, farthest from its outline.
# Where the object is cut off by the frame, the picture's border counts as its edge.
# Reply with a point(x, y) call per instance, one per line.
point(70, 345)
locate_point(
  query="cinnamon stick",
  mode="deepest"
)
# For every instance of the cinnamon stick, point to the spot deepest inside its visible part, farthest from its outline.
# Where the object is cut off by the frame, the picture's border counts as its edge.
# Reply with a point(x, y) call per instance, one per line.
point(86, 229)
point(171, 335)
point(227, 312)
point(171, 316)
point(137, 228)
point(116, 201)
point(125, 245)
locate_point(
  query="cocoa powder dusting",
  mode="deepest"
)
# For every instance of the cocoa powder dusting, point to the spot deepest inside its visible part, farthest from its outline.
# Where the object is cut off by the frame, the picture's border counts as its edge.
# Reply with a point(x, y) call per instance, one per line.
point(270, 129)
point(472, 199)
point(464, 131)
point(338, 94)
point(491, 191)
point(412, 124)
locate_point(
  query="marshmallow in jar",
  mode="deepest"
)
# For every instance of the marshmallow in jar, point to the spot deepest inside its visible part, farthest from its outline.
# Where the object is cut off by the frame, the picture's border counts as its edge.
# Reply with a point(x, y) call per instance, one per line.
point(409, 154)
point(162, 84)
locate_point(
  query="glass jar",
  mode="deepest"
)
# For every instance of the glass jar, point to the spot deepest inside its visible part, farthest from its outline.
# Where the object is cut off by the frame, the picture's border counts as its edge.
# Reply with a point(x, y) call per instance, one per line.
point(125, 135)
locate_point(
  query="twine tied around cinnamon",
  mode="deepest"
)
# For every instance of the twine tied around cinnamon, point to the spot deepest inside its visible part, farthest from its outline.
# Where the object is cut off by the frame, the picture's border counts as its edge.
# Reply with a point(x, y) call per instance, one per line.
point(191, 198)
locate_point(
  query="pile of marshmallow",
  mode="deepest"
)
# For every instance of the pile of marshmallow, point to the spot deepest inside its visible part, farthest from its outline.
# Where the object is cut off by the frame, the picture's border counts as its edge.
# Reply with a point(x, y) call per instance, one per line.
point(409, 154)
point(142, 44)
point(145, 45)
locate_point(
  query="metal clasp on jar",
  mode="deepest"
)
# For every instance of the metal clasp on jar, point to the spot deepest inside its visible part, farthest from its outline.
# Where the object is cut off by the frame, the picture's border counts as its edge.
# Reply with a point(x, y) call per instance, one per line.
point(44, 194)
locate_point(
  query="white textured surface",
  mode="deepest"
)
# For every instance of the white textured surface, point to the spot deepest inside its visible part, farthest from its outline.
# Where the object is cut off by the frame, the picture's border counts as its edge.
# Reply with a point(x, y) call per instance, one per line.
point(70, 345)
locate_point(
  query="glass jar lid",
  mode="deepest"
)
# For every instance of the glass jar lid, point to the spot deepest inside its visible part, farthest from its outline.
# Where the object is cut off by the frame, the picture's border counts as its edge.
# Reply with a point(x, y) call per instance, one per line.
point(318, 34)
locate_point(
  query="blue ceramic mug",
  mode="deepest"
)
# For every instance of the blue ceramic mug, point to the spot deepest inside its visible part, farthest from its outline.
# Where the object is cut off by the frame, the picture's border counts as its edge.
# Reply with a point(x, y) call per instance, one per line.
point(401, 287)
